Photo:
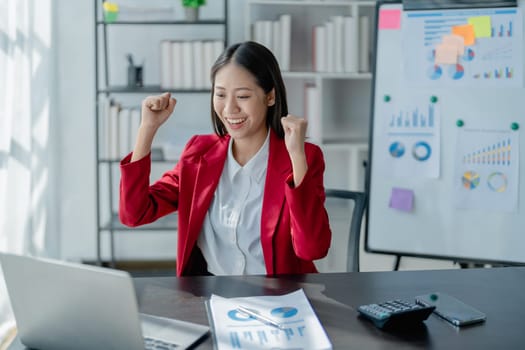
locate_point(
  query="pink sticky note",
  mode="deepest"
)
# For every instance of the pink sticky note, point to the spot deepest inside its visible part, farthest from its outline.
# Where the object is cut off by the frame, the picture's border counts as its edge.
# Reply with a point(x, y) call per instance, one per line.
point(446, 54)
point(389, 19)
point(455, 40)
point(402, 199)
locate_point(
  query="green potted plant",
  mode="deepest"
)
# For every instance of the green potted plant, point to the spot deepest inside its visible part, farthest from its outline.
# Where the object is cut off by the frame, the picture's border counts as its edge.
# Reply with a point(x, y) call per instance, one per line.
point(191, 8)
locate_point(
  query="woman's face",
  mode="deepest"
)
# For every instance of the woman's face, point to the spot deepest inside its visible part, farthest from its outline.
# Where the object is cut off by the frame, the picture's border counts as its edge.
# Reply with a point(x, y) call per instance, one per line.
point(240, 103)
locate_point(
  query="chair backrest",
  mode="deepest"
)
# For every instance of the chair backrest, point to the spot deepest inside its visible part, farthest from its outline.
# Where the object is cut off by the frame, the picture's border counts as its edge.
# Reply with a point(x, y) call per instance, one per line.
point(353, 212)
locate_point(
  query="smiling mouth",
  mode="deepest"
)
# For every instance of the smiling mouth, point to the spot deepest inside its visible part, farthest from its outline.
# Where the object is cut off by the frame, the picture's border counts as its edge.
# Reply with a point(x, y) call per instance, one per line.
point(235, 121)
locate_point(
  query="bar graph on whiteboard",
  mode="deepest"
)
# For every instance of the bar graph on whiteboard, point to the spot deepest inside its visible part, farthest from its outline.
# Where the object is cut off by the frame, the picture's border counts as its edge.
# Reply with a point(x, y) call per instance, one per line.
point(412, 131)
point(413, 119)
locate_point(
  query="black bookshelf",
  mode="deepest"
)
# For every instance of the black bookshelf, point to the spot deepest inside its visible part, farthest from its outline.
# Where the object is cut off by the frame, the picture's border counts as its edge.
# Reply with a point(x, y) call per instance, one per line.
point(105, 89)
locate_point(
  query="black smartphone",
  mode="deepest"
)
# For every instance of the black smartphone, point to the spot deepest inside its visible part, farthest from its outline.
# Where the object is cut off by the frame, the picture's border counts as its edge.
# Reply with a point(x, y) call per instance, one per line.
point(452, 309)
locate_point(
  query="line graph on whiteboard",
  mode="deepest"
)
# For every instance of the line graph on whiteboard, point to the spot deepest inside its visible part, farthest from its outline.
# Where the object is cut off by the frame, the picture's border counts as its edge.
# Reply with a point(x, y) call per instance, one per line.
point(487, 165)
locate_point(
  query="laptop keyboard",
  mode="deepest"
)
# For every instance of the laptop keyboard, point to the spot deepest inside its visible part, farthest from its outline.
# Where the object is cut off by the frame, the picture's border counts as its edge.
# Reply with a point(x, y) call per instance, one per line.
point(156, 344)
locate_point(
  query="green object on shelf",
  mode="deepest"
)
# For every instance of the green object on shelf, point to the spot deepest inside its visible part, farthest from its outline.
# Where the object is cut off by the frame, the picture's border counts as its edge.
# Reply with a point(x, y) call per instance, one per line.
point(193, 3)
point(110, 16)
point(110, 11)
point(386, 98)
point(433, 99)
point(460, 123)
point(514, 126)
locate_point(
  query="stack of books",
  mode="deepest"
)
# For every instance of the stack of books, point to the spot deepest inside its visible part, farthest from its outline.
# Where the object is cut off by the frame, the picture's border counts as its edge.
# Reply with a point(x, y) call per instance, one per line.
point(276, 36)
point(186, 64)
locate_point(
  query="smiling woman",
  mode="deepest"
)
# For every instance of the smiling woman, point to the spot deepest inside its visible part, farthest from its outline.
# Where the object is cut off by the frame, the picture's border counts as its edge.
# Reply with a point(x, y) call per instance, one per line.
point(250, 197)
point(26, 159)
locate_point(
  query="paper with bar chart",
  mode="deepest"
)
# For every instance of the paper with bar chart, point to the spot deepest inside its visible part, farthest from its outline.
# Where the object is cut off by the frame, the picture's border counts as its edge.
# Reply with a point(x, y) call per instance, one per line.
point(411, 142)
point(233, 329)
point(493, 58)
point(487, 166)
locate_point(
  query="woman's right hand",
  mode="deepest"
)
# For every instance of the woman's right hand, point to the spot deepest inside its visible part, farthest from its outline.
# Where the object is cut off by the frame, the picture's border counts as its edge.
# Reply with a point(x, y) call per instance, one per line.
point(156, 110)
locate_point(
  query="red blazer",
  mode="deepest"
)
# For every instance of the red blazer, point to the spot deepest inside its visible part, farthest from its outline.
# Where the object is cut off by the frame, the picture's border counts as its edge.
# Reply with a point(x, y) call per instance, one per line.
point(294, 226)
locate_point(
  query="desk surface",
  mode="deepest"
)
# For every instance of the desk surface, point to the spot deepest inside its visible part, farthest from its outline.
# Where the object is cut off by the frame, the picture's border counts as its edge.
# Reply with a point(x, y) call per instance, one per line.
point(498, 292)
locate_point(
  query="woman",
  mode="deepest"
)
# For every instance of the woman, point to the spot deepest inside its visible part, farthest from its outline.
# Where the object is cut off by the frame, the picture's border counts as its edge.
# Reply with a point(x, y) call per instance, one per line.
point(250, 198)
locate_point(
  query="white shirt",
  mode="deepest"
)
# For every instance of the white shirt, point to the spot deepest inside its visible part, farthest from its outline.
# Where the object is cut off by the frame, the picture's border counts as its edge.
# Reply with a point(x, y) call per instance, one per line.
point(230, 239)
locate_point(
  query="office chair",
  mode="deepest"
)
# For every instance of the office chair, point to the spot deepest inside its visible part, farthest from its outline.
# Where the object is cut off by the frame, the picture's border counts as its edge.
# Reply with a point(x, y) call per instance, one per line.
point(345, 211)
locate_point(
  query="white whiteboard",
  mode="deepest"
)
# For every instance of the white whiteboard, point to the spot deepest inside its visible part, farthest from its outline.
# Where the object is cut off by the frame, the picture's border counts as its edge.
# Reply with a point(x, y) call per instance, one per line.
point(445, 166)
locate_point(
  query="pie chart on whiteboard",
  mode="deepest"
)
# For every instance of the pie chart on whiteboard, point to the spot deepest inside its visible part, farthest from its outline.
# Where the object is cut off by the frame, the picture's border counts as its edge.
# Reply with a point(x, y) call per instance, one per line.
point(468, 55)
point(396, 149)
point(470, 180)
point(456, 71)
point(434, 72)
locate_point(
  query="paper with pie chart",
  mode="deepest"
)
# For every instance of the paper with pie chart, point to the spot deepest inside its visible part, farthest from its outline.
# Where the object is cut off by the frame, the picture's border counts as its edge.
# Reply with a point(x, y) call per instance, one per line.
point(233, 329)
point(494, 60)
point(412, 131)
point(487, 166)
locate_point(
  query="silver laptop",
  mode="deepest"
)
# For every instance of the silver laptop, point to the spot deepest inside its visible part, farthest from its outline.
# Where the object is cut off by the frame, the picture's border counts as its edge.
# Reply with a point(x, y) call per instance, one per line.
point(63, 306)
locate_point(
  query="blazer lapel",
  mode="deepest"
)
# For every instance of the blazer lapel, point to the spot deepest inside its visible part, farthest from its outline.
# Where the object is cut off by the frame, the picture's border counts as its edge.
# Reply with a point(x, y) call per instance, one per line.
point(207, 171)
point(279, 168)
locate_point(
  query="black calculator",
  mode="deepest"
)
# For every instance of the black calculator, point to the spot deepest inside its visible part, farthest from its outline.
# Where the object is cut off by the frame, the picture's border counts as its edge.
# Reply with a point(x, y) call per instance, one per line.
point(395, 313)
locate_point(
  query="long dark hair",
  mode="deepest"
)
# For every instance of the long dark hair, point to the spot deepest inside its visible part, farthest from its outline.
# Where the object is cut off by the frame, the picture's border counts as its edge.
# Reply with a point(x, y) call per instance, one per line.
point(260, 62)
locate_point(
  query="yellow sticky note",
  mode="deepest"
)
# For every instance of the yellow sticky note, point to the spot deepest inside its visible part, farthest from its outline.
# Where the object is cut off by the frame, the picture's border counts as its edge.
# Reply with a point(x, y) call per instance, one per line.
point(482, 26)
point(446, 54)
point(467, 32)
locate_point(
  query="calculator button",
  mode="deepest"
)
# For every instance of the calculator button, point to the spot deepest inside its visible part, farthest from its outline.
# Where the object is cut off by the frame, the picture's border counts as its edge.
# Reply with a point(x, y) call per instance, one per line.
point(395, 312)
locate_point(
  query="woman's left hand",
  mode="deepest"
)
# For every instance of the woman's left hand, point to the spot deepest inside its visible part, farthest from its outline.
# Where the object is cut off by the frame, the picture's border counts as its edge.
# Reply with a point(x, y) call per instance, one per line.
point(294, 134)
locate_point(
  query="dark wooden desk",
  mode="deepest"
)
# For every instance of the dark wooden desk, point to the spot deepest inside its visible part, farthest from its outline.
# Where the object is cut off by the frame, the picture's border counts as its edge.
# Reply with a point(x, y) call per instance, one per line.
point(499, 292)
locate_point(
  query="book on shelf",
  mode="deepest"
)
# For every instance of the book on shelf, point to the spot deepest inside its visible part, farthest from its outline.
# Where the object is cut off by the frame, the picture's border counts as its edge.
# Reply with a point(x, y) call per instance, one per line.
point(330, 46)
point(198, 64)
point(336, 46)
point(277, 41)
point(186, 64)
point(267, 36)
point(319, 48)
point(176, 65)
point(339, 43)
point(351, 38)
point(124, 132)
point(166, 65)
point(286, 41)
point(209, 56)
point(103, 132)
point(257, 32)
point(118, 129)
point(276, 36)
point(112, 134)
point(312, 113)
point(218, 47)
point(364, 44)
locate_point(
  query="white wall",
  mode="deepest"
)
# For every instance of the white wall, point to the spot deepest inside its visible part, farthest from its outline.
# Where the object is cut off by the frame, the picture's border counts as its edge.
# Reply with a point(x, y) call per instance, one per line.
point(75, 105)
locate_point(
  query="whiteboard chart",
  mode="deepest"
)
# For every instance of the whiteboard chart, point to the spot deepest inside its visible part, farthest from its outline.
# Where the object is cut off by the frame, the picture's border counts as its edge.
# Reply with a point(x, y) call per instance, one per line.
point(446, 163)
